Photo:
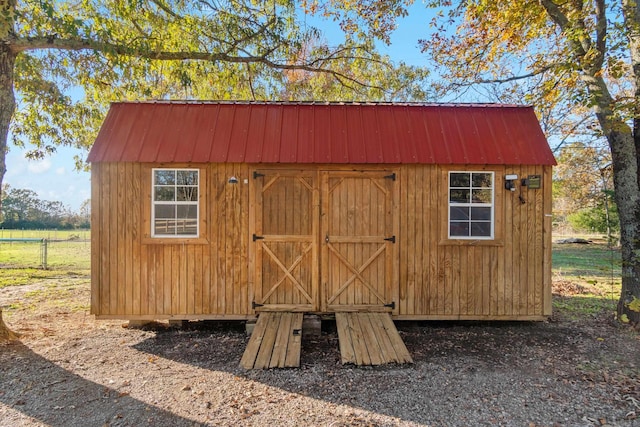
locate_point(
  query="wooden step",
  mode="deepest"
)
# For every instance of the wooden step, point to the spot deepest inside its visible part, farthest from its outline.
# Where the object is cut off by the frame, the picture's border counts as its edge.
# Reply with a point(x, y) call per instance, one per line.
point(370, 339)
point(275, 342)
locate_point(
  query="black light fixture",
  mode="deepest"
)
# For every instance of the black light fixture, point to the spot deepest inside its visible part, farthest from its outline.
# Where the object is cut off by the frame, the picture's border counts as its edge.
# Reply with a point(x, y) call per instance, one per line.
point(510, 182)
point(233, 180)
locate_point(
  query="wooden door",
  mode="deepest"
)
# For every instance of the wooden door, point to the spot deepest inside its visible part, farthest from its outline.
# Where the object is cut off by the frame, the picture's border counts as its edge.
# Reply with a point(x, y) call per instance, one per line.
point(285, 240)
point(358, 237)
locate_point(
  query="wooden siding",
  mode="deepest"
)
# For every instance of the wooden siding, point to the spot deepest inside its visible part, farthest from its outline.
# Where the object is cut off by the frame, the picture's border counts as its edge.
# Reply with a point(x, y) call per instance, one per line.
point(215, 275)
point(135, 276)
point(505, 278)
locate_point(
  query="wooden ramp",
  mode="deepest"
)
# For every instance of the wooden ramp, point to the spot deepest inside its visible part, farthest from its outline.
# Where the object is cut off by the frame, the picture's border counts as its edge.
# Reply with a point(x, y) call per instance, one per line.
point(370, 339)
point(275, 342)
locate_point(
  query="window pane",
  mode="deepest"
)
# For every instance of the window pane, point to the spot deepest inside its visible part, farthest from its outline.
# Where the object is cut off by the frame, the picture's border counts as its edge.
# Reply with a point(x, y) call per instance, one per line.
point(187, 219)
point(459, 229)
point(187, 194)
point(164, 227)
point(459, 196)
point(187, 178)
point(482, 180)
point(164, 194)
point(187, 211)
point(459, 213)
point(163, 177)
point(165, 211)
point(481, 229)
point(481, 196)
point(459, 179)
point(481, 214)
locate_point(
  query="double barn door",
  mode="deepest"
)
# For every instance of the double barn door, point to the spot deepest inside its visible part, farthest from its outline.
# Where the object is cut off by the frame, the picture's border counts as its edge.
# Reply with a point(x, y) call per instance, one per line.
point(323, 241)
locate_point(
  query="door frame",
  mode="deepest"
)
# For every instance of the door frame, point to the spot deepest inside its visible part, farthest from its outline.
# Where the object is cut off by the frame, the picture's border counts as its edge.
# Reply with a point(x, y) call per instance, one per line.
point(320, 206)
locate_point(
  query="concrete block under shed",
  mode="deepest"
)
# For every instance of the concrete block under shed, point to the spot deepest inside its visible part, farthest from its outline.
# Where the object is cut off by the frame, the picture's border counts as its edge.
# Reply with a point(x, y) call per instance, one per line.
point(137, 324)
point(311, 326)
point(250, 326)
point(177, 324)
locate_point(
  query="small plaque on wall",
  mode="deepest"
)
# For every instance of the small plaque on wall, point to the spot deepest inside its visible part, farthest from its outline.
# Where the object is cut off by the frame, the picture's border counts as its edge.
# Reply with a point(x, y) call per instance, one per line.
point(534, 182)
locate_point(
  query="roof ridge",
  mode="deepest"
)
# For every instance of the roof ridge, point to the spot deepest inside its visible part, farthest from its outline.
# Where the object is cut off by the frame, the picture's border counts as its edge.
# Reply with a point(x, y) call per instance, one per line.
point(355, 103)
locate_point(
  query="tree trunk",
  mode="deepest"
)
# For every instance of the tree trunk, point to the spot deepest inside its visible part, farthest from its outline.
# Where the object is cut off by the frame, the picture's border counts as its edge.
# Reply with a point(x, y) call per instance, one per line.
point(7, 103)
point(627, 194)
point(5, 333)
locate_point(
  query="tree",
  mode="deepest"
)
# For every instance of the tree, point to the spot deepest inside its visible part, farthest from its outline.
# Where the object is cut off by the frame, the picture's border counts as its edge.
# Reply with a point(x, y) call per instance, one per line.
point(119, 50)
point(571, 56)
point(19, 207)
point(22, 208)
point(582, 188)
point(6, 334)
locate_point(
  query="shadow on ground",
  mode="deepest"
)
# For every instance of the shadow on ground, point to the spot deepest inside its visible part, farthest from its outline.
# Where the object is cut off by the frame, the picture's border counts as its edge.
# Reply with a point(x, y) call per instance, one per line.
point(46, 393)
point(497, 370)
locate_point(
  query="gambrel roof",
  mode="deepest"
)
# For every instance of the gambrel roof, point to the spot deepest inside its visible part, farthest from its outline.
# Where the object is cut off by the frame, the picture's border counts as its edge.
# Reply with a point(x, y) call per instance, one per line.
point(323, 133)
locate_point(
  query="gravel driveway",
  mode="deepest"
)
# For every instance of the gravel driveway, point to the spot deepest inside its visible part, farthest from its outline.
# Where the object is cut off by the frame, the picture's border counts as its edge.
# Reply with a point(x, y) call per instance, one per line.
point(71, 370)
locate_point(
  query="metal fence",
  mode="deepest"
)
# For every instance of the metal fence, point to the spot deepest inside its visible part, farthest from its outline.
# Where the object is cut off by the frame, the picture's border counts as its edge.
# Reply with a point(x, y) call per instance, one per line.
point(46, 249)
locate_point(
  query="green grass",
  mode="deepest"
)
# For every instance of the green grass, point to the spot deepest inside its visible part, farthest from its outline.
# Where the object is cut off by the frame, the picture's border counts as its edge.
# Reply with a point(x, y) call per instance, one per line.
point(588, 279)
point(65, 281)
point(593, 262)
point(21, 263)
point(61, 255)
point(24, 276)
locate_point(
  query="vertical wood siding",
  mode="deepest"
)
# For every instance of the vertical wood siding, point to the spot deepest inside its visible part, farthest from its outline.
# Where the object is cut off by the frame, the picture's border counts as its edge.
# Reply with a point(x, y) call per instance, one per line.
point(134, 276)
point(506, 278)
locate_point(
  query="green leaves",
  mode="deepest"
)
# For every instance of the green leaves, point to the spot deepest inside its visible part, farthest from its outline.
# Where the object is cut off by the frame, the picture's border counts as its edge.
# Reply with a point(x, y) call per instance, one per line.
point(78, 56)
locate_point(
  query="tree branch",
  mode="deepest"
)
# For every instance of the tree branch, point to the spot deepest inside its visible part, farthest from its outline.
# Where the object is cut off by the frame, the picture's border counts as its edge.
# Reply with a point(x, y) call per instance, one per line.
point(54, 42)
point(601, 29)
point(166, 9)
point(555, 13)
point(512, 78)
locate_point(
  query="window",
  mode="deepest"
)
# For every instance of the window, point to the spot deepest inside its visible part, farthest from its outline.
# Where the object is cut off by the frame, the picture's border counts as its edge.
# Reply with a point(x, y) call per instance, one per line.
point(471, 204)
point(175, 210)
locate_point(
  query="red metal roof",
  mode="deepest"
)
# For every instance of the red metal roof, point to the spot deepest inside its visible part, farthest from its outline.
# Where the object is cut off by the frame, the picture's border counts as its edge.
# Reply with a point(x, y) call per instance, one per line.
point(297, 132)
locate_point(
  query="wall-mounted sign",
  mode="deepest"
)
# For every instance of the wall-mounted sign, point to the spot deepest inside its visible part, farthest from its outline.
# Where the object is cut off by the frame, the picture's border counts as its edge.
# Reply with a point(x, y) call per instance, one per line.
point(534, 182)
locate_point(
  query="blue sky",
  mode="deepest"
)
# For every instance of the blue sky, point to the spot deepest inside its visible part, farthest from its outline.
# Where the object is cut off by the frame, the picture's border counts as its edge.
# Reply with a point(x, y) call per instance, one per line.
point(55, 177)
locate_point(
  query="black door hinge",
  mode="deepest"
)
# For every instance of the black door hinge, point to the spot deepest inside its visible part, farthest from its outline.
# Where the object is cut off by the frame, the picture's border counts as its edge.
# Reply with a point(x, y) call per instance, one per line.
point(391, 239)
point(391, 305)
point(255, 305)
point(255, 237)
point(257, 174)
point(392, 177)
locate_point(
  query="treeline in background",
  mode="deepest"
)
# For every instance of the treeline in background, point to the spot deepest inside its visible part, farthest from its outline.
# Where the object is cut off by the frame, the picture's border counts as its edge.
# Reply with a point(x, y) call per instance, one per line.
point(23, 209)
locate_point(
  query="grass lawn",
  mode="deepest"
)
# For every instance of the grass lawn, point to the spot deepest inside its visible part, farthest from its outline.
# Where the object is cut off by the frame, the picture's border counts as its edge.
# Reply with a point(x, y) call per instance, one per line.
point(68, 254)
point(586, 278)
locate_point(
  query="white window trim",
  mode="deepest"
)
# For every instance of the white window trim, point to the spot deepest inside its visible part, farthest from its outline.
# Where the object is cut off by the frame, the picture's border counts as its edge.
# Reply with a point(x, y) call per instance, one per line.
point(154, 203)
point(491, 205)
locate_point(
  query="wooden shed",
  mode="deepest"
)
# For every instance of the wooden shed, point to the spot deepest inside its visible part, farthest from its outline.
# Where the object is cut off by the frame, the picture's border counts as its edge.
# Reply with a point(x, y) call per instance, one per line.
point(222, 210)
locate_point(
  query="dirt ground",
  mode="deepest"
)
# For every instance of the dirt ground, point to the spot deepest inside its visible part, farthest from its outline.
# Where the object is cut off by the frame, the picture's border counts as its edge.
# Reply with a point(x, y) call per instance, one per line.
point(70, 370)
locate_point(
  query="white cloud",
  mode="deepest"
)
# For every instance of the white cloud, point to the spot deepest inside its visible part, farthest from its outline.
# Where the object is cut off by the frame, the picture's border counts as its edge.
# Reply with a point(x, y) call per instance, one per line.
point(53, 195)
point(53, 178)
point(40, 167)
point(16, 164)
